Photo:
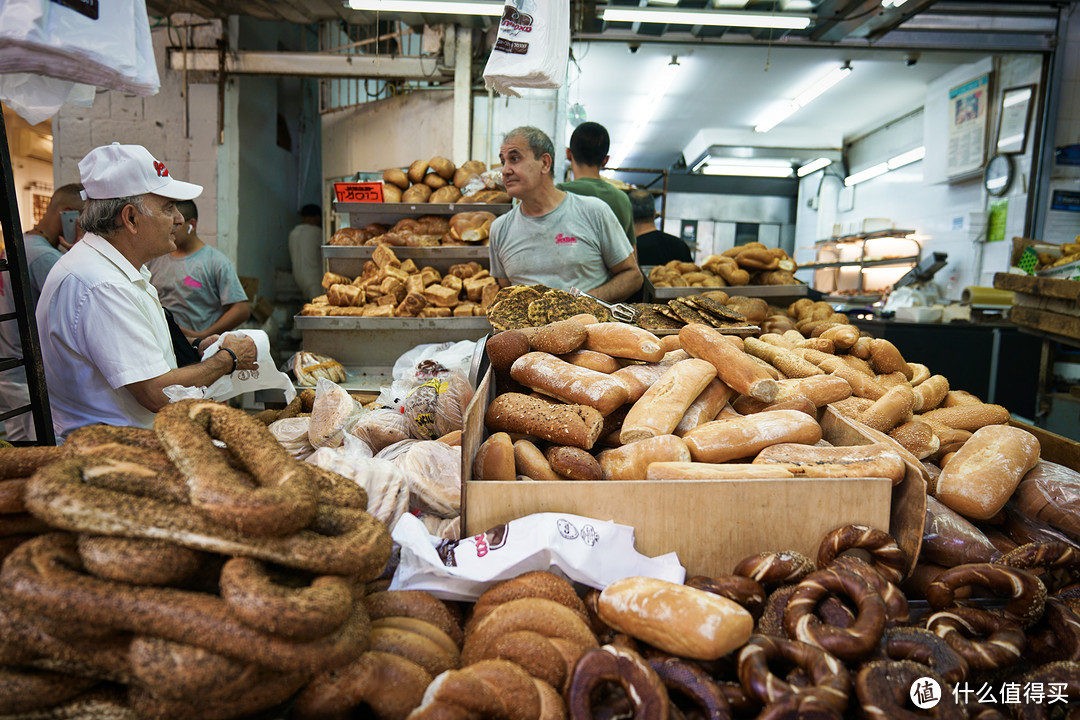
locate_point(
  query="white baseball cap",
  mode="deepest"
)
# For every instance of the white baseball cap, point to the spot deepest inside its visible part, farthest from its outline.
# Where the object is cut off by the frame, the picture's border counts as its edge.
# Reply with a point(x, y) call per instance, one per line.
point(116, 171)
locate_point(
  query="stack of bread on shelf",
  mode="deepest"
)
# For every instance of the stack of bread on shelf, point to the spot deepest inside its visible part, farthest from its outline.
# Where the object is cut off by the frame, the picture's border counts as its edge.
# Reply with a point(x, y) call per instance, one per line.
point(438, 180)
point(749, 264)
point(469, 228)
point(390, 287)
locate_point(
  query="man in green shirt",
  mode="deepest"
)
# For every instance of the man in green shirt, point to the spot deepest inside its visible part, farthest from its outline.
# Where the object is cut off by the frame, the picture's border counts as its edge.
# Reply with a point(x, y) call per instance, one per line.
point(588, 152)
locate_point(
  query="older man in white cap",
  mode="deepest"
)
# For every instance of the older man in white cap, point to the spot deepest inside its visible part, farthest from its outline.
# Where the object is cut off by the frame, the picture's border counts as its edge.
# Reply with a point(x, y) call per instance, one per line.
point(105, 343)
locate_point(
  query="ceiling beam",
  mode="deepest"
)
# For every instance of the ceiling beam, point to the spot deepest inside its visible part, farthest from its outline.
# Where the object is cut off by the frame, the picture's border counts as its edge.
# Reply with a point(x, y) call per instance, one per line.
point(847, 21)
point(307, 64)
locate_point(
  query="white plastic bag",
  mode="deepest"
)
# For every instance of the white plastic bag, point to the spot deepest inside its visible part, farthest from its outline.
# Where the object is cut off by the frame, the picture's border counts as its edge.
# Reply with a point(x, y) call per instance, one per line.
point(593, 552)
point(266, 377)
point(532, 46)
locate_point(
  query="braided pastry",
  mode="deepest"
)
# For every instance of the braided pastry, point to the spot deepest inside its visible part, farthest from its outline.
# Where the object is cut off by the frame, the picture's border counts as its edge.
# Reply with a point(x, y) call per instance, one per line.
point(828, 678)
point(845, 643)
point(886, 556)
point(1001, 648)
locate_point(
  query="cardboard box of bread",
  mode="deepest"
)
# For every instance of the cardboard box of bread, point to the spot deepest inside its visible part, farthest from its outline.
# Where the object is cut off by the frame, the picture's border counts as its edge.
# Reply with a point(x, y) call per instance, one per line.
point(438, 180)
point(468, 228)
point(608, 402)
point(389, 287)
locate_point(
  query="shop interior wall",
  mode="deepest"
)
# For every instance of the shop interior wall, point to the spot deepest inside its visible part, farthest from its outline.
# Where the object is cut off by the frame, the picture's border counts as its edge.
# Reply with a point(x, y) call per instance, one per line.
point(948, 216)
point(1063, 225)
point(179, 130)
point(30, 148)
point(494, 116)
point(386, 133)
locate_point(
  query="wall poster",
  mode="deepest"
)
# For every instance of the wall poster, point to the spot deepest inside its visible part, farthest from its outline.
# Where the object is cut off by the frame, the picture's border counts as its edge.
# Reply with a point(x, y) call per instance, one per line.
point(969, 107)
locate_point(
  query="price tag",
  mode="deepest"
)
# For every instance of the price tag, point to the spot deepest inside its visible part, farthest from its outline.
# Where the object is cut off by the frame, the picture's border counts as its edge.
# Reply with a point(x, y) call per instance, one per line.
point(371, 192)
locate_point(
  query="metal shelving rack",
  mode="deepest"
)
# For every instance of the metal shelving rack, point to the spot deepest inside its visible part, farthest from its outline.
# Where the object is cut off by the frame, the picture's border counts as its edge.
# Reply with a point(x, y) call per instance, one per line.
point(23, 315)
point(862, 262)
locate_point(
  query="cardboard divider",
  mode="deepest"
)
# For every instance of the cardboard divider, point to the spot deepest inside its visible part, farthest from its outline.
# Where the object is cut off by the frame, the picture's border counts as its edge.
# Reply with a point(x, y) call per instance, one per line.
point(710, 525)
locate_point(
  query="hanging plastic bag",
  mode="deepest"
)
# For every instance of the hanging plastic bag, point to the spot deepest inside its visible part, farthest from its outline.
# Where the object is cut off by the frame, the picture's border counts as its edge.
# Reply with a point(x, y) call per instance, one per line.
point(532, 47)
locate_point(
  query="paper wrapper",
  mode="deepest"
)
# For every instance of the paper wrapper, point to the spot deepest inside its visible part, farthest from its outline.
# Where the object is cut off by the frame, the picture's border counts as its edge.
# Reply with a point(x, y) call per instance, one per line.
point(581, 549)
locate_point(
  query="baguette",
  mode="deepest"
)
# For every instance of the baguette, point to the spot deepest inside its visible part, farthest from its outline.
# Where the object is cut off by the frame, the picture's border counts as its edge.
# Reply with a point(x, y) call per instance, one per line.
point(875, 460)
point(791, 365)
point(732, 438)
point(623, 340)
point(891, 409)
point(575, 425)
point(735, 368)
point(713, 471)
point(969, 416)
point(661, 408)
point(559, 338)
point(631, 462)
point(638, 378)
point(677, 619)
point(705, 407)
point(930, 393)
point(983, 474)
point(592, 360)
point(548, 374)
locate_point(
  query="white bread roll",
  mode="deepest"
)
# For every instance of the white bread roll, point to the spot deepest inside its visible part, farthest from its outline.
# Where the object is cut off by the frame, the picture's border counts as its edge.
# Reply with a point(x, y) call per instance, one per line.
point(680, 620)
point(983, 474)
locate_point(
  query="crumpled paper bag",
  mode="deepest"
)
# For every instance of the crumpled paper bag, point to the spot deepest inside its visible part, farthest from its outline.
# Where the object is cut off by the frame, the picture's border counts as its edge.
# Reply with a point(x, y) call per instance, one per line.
point(581, 549)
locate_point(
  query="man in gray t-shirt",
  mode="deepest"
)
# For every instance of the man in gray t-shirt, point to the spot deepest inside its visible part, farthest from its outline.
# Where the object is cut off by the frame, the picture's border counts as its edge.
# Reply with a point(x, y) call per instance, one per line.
point(197, 283)
point(552, 237)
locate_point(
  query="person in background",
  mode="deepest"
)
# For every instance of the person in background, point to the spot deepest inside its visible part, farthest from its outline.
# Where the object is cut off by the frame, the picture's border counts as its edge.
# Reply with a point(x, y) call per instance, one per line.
point(552, 237)
point(305, 251)
point(654, 247)
point(43, 245)
point(588, 152)
point(197, 283)
point(105, 343)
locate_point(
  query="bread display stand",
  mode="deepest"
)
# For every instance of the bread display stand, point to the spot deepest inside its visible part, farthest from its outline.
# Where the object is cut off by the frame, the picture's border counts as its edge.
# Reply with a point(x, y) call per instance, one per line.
point(773, 294)
point(349, 259)
point(710, 525)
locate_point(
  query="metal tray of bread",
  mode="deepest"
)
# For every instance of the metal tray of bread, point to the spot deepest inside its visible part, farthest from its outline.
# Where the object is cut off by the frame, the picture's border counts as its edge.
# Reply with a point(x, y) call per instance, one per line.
point(463, 253)
point(390, 213)
point(761, 291)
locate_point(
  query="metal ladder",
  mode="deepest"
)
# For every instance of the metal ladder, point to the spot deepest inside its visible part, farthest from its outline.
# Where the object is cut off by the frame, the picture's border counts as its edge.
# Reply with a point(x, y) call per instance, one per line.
point(24, 314)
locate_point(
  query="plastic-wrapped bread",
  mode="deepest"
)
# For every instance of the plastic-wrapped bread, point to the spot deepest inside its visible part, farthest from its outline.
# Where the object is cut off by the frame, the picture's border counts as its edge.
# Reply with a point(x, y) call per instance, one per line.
point(1051, 492)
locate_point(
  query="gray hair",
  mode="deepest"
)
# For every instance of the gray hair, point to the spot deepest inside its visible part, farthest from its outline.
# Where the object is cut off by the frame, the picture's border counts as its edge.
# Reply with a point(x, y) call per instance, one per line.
point(538, 141)
point(101, 217)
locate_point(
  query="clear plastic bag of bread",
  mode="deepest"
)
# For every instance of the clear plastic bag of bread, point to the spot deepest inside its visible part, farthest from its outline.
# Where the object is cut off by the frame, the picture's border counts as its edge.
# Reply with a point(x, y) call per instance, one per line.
point(380, 427)
point(386, 485)
point(437, 407)
point(292, 433)
point(333, 412)
point(434, 472)
point(949, 539)
point(1051, 493)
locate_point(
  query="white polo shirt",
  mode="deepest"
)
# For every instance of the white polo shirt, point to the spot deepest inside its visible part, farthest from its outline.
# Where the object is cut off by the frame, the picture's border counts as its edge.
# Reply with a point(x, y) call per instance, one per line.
point(101, 328)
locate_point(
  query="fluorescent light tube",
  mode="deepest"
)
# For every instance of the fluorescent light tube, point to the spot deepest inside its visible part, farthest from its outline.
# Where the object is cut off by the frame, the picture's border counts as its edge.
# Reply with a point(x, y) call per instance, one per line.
point(704, 17)
point(907, 158)
point(892, 3)
point(870, 172)
point(813, 166)
point(441, 7)
point(815, 89)
point(748, 169)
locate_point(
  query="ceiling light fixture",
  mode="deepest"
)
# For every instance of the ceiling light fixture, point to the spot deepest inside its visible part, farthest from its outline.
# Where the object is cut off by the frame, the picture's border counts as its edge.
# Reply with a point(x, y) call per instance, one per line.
point(907, 158)
point(804, 98)
point(814, 166)
point(749, 168)
point(645, 112)
point(440, 7)
point(867, 174)
point(705, 17)
point(892, 3)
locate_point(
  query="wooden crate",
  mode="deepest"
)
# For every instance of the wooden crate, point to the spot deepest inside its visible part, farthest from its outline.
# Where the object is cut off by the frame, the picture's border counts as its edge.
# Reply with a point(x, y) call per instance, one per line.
point(1051, 305)
point(711, 525)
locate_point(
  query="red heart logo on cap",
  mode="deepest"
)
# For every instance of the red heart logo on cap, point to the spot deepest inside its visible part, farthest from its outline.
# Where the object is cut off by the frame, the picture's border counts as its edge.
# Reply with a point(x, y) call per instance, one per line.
point(162, 171)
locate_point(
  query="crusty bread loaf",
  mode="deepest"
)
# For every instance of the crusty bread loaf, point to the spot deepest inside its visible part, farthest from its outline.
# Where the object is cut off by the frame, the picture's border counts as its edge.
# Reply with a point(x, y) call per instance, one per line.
point(447, 194)
point(623, 340)
point(713, 471)
point(592, 360)
point(576, 425)
point(983, 474)
point(495, 459)
point(532, 464)
point(661, 408)
point(417, 194)
point(631, 462)
point(705, 407)
point(506, 347)
point(444, 167)
point(734, 367)
point(559, 338)
point(397, 178)
point(573, 463)
point(875, 460)
point(557, 378)
point(417, 171)
point(677, 619)
point(740, 437)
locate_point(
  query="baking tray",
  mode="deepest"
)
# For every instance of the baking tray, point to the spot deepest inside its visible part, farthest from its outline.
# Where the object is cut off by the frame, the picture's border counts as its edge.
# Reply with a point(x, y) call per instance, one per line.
point(761, 291)
point(390, 213)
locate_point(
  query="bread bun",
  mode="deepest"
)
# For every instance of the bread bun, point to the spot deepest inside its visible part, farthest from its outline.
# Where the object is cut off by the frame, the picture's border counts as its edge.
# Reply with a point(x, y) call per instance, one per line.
point(417, 171)
point(435, 181)
point(463, 176)
point(448, 194)
point(474, 166)
point(396, 176)
point(391, 193)
point(417, 194)
point(442, 166)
